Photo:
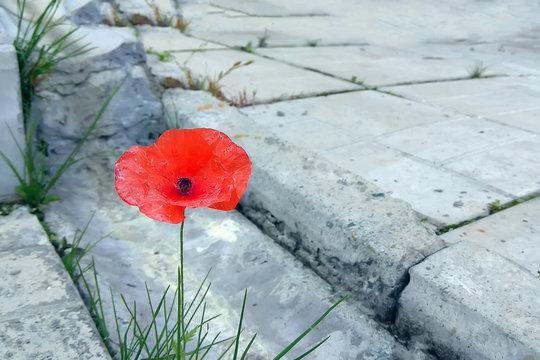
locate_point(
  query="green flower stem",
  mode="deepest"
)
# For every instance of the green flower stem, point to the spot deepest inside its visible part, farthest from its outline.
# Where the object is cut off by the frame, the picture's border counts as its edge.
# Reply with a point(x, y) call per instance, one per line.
point(181, 345)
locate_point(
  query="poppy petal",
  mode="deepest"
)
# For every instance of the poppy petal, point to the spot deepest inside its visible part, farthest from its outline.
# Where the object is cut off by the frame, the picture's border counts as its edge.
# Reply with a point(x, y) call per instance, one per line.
point(163, 212)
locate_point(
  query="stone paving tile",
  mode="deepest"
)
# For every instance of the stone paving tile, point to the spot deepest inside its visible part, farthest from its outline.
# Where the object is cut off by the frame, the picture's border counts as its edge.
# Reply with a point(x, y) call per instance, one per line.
point(444, 197)
point(441, 141)
point(19, 230)
point(473, 301)
point(59, 334)
point(169, 39)
point(481, 97)
point(23, 285)
point(270, 79)
point(362, 114)
point(524, 119)
point(513, 168)
point(379, 66)
point(512, 233)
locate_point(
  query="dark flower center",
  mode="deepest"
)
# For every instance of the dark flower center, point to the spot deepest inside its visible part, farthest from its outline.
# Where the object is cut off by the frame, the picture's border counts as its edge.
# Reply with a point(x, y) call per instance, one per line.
point(184, 186)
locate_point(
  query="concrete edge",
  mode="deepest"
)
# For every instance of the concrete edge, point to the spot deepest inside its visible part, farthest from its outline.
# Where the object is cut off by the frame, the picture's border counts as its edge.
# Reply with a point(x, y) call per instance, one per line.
point(53, 301)
point(356, 237)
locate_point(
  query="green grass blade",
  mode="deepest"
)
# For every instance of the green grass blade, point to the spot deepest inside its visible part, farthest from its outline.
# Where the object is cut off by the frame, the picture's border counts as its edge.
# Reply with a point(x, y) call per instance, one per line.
point(297, 340)
point(239, 331)
point(312, 349)
point(247, 347)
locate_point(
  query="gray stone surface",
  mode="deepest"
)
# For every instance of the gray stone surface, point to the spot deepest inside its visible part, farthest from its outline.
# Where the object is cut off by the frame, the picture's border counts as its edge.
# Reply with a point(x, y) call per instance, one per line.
point(41, 313)
point(355, 236)
point(511, 233)
point(116, 62)
point(169, 39)
point(468, 302)
point(11, 121)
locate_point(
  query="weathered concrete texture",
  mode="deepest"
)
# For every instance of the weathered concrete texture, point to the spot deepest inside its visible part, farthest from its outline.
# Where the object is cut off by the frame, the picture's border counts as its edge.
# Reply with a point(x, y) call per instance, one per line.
point(380, 66)
point(471, 303)
point(442, 196)
point(354, 234)
point(480, 97)
point(171, 39)
point(19, 230)
point(395, 143)
point(258, 80)
point(41, 313)
point(11, 121)
point(512, 233)
point(115, 62)
point(347, 22)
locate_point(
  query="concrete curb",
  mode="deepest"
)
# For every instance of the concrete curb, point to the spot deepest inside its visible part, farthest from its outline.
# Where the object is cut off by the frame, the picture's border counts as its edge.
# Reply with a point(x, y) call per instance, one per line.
point(41, 313)
point(354, 236)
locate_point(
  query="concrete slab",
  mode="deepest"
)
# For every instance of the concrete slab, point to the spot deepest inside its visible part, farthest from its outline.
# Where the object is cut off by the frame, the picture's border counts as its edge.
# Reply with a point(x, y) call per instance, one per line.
point(21, 230)
point(442, 196)
point(511, 233)
point(170, 39)
point(129, 8)
point(361, 242)
point(362, 115)
point(523, 119)
point(471, 303)
point(481, 97)
point(32, 278)
point(380, 66)
point(11, 121)
point(260, 76)
point(512, 168)
point(59, 333)
point(461, 137)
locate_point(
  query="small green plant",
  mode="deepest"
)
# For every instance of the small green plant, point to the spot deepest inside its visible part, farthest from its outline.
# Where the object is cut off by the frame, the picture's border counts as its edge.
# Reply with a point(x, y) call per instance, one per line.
point(313, 43)
point(243, 100)
point(164, 56)
point(37, 60)
point(355, 80)
point(263, 40)
point(478, 70)
point(248, 47)
point(493, 206)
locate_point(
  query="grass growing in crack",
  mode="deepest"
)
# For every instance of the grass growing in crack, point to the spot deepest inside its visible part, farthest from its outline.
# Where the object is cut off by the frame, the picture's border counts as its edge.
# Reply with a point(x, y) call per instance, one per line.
point(248, 47)
point(36, 180)
point(164, 56)
point(37, 60)
point(355, 80)
point(313, 43)
point(263, 40)
point(206, 83)
point(478, 70)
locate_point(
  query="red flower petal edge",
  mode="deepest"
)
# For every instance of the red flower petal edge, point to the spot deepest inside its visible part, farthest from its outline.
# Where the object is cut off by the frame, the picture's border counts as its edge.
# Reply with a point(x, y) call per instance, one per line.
point(183, 168)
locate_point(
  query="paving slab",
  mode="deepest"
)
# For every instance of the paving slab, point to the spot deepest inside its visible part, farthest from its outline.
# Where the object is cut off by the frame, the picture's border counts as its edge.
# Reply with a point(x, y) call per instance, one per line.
point(284, 297)
point(41, 313)
point(461, 137)
point(470, 303)
point(11, 120)
point(441, 196)
point(162, 39)
point(63, 334)
point(511, 233)
point(259, 77)
point(366, 239)
point(381, 66)
point(362, 115)
point(512, 168)
point(480, 97)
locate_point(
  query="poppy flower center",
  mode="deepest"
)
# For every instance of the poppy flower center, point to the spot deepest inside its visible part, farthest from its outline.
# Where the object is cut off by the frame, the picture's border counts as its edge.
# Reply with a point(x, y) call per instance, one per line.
point(184, 186)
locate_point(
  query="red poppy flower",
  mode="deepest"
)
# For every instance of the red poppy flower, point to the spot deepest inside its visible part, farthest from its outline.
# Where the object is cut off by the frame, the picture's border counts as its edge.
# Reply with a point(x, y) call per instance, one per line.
point(183, 168)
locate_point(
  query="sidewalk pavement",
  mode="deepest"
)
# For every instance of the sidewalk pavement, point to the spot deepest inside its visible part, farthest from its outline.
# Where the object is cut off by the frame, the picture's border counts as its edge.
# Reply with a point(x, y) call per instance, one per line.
point(374, 125)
